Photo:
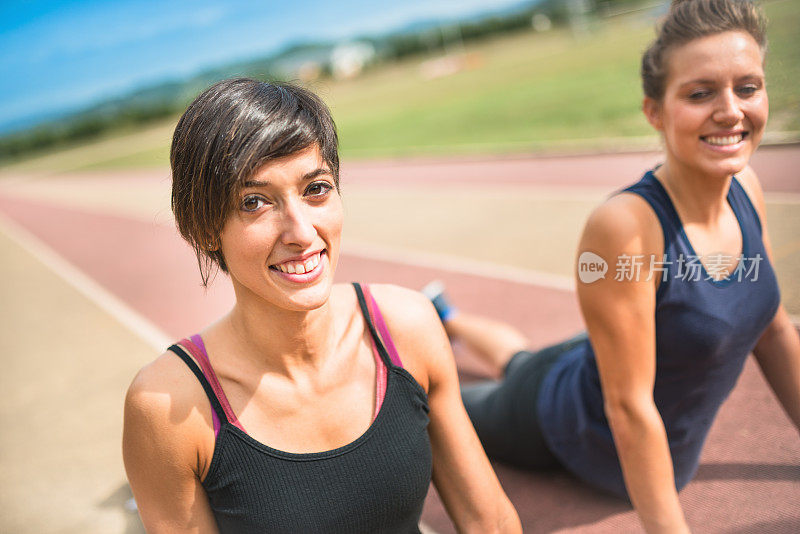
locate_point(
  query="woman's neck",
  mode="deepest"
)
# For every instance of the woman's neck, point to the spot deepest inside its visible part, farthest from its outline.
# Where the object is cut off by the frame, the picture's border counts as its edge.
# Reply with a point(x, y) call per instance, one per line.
point(698, 197)
point(281, 340)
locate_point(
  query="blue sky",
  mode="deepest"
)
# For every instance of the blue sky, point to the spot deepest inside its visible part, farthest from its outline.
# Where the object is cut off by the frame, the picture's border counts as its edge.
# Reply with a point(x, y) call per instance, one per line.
point(61, 55)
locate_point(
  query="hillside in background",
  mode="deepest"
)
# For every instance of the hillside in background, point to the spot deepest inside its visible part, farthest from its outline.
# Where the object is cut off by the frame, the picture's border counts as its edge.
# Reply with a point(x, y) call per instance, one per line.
point(520, 91)
point(302, 61)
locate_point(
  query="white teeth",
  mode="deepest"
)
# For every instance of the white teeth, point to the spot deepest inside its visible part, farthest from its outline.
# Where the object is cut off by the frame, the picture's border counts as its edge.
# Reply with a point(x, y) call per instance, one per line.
point(299, 267)
point(723, 141)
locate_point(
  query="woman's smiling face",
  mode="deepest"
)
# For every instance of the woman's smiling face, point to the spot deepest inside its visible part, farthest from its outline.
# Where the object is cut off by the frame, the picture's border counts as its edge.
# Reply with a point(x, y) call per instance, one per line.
point(281, 240)
point(715, 105)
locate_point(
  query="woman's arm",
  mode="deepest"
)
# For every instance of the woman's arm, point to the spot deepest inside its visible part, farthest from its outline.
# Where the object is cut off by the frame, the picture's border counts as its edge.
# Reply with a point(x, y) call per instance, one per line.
point(778, 350)
point(778, 354)
point(159, 447)
point(462, 474)
point(620, 317)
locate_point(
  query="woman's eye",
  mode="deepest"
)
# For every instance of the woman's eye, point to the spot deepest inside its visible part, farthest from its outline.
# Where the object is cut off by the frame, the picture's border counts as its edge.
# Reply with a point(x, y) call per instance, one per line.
point(699, 94)
point(747, 90)
point(319, 189)
point(252, 203)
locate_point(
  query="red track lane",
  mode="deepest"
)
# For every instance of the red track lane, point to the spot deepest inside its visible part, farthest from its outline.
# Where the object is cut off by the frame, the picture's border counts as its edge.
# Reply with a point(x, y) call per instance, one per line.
point(749, 479)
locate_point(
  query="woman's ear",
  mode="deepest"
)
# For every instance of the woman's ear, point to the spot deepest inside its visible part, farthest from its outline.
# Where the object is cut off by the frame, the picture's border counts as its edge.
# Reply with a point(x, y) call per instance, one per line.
point(652, 111)
point(211, 245)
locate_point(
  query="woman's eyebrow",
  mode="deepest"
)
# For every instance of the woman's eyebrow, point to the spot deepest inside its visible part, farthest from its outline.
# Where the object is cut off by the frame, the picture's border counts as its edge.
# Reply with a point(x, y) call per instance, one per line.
point(316, 172)
point(709, 81)
point(307, 176)
point(255, 183)
point(698, 81)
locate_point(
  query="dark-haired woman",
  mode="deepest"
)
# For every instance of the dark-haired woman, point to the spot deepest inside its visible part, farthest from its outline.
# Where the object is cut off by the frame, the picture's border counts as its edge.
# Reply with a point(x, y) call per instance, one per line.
point(690, 289)
point(309, 407)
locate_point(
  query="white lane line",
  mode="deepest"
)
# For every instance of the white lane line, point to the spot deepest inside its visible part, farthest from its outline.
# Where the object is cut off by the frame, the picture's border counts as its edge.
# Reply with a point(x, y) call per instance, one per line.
point(457, 264)
point(127, 316)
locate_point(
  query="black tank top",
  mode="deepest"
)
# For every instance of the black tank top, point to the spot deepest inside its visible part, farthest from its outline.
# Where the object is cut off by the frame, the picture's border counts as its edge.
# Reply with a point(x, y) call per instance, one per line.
point(376, 483)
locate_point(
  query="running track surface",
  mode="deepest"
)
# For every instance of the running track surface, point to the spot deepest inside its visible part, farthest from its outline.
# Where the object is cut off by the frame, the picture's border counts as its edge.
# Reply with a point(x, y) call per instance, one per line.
point(749, 477)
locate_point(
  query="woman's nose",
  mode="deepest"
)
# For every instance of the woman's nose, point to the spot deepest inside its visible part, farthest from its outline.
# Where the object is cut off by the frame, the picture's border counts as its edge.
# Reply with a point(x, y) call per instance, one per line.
point(728, 111)
point(298, 228)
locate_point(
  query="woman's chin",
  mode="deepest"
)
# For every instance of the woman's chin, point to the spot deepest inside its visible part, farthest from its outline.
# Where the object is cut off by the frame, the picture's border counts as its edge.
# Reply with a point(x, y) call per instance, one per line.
point(309, 299)
point(280, 295)
point(730, 168)
point(717, 169)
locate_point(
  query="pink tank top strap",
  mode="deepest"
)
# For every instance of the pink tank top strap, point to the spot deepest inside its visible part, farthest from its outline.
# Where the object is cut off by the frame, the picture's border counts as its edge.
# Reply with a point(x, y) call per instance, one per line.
point(380, 325)
point(197, 348)
point(381, 379)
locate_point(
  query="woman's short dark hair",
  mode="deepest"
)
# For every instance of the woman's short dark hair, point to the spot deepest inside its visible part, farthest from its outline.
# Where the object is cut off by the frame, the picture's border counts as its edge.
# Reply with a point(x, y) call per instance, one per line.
point(691, 19)
point(223, 137)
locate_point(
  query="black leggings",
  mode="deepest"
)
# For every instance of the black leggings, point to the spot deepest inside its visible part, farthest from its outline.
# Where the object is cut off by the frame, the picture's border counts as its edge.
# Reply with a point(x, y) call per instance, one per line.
point(505, 413)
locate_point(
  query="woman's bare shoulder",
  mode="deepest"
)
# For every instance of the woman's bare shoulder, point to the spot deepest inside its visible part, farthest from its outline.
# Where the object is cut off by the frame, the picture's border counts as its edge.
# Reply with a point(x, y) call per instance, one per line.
point(404, 307)
point(624, 224)
point(415, 328)
point(167, 444)
point(164, 395)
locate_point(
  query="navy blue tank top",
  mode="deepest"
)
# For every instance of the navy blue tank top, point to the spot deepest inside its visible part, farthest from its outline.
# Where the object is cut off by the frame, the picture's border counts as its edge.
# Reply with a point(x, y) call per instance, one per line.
point(705, 329)
point(376, 483)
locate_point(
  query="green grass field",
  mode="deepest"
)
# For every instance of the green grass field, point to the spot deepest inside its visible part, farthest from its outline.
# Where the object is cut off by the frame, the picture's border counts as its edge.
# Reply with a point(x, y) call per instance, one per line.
point(518, 93)
point(526, 92)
